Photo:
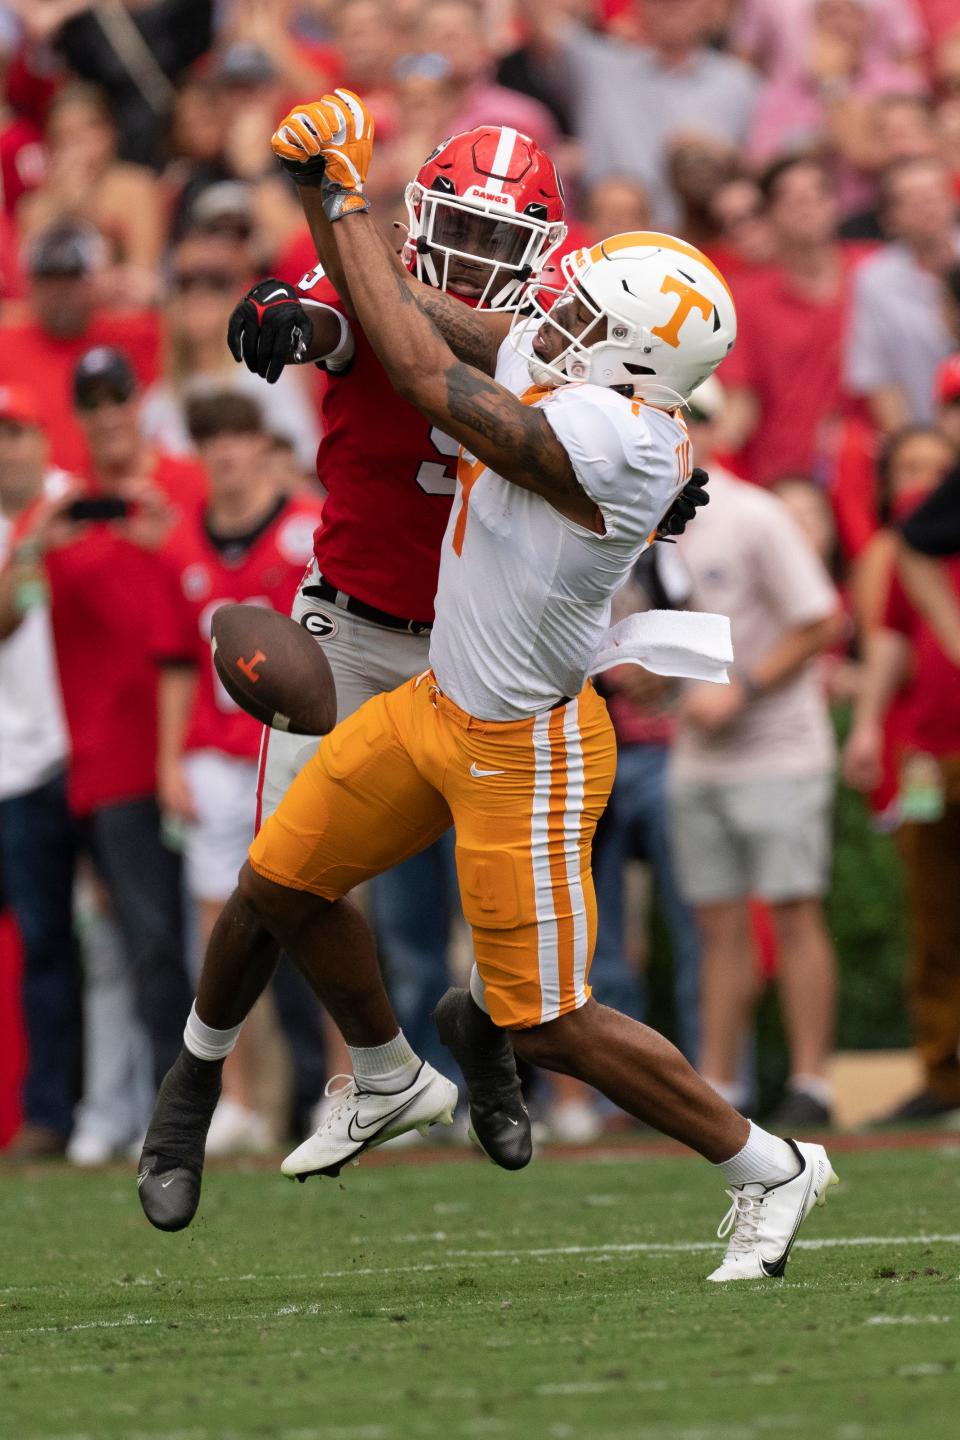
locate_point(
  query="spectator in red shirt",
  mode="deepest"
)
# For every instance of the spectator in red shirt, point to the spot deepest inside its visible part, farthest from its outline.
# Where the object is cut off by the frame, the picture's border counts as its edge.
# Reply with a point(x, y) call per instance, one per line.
point(105, 583)
point(929, 803)
point(744, 237)
point(109, 406)
point(60, 322)
point(248, 544)
point(783, 376)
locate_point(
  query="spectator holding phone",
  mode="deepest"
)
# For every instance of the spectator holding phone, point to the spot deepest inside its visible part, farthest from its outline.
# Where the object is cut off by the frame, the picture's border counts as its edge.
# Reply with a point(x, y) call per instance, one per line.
point(96, 548)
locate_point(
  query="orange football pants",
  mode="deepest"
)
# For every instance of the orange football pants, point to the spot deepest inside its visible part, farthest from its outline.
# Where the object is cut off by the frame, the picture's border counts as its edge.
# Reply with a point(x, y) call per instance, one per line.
point(525, 797)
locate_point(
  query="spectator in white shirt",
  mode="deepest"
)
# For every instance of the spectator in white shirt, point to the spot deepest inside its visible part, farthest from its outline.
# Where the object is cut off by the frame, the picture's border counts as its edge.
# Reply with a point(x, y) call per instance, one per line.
point(898, 332)
point(629, 101)
point(752, 781)
point(36, 830)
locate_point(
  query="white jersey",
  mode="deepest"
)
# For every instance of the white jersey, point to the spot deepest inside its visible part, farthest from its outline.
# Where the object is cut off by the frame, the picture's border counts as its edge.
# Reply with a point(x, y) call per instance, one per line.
point(33, 732)
point(524, 594)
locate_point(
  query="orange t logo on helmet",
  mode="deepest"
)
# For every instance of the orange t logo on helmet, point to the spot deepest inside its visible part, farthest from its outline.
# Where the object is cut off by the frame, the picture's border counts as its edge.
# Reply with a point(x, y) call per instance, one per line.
point(690, 299)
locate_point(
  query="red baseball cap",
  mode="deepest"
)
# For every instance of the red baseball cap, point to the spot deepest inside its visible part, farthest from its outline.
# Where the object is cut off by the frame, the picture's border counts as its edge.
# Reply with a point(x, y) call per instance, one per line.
point(948, 380)
point(19, 404)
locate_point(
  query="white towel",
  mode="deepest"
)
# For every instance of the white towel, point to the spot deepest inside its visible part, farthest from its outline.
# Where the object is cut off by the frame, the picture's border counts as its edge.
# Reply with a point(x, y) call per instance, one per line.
point(683, 643)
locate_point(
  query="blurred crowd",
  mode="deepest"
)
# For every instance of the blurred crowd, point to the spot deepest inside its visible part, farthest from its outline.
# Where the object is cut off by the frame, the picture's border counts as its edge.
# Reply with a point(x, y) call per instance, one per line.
point(812, 149)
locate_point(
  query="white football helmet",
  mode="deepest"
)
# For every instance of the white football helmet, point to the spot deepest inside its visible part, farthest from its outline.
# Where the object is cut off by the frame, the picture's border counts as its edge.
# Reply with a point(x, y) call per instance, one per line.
point(665, 318)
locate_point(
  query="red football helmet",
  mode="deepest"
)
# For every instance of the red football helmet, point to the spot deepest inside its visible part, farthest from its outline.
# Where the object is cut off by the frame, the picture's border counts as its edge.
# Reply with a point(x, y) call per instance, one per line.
point(486, 209)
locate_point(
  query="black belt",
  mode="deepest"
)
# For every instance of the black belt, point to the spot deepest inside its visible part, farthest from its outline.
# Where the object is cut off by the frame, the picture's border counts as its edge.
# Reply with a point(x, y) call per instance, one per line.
point(323, 590)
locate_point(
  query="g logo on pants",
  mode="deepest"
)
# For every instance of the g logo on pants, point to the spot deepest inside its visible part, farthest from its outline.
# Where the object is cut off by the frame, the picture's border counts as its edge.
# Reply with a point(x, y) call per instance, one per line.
point(319, 624)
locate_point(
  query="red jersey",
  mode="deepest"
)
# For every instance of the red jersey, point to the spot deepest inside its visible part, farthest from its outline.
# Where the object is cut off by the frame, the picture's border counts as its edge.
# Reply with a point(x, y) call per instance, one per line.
point(788, 353)
point(44, 363)
point(932, 722)
point(264, 568)
point(389, 476)
point(104, 592)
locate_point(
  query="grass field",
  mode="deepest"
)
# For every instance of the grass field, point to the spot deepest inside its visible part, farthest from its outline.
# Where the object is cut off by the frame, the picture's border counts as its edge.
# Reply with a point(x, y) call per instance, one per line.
point(451, 1300)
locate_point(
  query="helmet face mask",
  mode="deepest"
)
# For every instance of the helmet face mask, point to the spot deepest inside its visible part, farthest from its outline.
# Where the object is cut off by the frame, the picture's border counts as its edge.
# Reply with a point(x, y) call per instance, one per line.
point(484, 214)
point(573, 361)
point(663, 319)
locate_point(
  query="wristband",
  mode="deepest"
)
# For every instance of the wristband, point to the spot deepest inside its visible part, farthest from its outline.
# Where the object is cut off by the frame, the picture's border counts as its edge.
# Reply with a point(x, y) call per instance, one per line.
point(339, 200)
point(341, 356)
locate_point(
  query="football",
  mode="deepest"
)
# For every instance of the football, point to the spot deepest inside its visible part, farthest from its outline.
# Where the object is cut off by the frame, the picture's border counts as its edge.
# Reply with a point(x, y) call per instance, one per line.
point(273, 669)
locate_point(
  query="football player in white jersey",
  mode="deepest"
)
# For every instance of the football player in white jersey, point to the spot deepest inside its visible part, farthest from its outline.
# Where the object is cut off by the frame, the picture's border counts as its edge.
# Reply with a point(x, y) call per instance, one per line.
point(562, 483)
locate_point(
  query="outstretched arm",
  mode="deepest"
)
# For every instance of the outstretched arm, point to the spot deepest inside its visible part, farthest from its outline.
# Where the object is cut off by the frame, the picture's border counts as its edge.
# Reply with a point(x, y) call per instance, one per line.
point(328, 146)
point(514, 440)
point(473, 335)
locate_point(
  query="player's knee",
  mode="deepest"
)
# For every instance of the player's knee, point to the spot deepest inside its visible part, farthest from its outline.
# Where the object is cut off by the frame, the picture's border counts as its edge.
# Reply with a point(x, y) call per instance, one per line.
point(556, 1044)
point(274, 906)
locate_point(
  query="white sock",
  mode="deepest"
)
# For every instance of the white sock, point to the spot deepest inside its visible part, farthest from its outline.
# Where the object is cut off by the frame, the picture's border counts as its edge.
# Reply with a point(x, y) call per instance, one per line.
point(477, 991)
point(385, 1068)
point(764, 1160)
point(733, 1091)
point(206, 1043)
point(814, 1086)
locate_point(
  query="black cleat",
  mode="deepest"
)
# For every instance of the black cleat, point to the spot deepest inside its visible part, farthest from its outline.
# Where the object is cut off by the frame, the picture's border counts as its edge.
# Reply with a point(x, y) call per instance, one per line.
point(171, 1164)
point(797, 1111)
point(498, 1115)
point(923, 1108)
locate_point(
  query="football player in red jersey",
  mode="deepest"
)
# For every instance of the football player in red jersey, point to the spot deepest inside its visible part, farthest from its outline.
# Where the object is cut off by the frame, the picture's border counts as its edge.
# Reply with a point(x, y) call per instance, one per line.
point(249, 544)
point(485, 211)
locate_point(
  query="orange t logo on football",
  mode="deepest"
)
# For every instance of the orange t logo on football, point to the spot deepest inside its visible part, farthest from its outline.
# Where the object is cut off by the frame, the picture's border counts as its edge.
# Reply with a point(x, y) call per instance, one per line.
point(689, 299)
point(249, 667)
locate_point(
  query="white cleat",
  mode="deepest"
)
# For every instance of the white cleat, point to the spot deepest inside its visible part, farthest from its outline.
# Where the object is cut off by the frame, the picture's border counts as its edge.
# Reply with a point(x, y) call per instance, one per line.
point(763, 1222)
point(359, 1119)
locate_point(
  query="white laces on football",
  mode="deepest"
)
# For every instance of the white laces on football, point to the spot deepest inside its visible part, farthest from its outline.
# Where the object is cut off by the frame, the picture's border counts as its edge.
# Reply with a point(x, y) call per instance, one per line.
point(341, 1095)
point(742, 1219)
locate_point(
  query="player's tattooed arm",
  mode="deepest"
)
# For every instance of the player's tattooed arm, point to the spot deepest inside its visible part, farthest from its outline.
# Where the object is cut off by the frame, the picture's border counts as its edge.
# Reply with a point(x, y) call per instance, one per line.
point(514, 439)
point(473, 336)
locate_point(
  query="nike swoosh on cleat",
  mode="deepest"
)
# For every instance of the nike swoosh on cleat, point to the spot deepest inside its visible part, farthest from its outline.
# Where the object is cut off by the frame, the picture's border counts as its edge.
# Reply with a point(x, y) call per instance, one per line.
point(476, 772)
point(512, 1121)
point(165, 1183)
point(775, 1268)
point(379, 1122)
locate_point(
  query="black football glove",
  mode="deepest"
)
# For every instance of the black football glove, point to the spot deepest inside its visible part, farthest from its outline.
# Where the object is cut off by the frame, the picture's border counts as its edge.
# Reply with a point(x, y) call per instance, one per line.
point(684, 508)
point(304, 173)
point(269, 329)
